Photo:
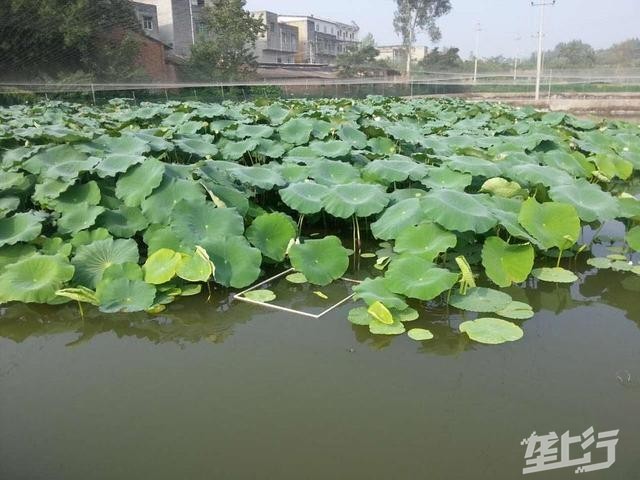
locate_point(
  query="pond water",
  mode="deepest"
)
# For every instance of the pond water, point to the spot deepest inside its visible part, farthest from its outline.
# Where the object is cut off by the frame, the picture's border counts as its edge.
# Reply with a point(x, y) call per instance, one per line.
point(228, 390)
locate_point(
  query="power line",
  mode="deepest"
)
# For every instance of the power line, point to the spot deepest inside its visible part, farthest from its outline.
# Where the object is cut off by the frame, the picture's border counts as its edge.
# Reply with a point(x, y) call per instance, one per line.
point(540, 34)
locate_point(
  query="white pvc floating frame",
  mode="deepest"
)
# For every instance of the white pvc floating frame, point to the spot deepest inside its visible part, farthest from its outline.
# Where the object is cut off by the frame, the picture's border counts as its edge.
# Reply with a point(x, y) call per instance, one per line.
point(240, 296)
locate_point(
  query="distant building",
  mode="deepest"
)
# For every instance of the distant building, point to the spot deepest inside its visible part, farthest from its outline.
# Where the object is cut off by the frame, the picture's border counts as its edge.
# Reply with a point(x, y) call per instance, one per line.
point(154, 53)
point(279, 41)
point(397, 54)
point(321, 40)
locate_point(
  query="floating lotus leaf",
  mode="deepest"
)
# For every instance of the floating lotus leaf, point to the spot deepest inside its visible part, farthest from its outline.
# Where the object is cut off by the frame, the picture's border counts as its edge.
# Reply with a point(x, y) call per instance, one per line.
point(397, 168)
point(381, 313)
point(330, 148)
point(254, 131)
point(124, 222)
point(491, 331)
point(633, 238)
point(555, 275)
point(196, 221)
point(237, 263)
point(138, 183)
point(397, 217)
point(372, 290)
point(599, 262)
point(552, 224)
point(321, 261)
point(197, 267)
point(420, 334)
point(124, 295)
point(271, 233)
point(260, 295)
point(481, 299)
point(516, 310)
point(116, 163)
point(442, 177)
point(196, 147)
point(297, 278)
point(416, 277)
point(35, 279)
point(382, 146)
point(358, 199)
point(506, 263)
point(359, 316)
point(379, 328)
point(305, 197)
point(161, 266)
point(622, 266)
point(232, 151)
point(80, 217)
point(458, 211)
point(589, 200)
point(296, 131)
point(426, 240)
point(91, 260)
point(21, 227)
point(352, 136)
point(332, 172)
point(262, 177)
point(158, 206)
point(501, 187)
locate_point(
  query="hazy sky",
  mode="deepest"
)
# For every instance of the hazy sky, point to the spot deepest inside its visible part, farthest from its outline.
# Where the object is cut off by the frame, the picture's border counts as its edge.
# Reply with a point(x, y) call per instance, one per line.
point(502, 21)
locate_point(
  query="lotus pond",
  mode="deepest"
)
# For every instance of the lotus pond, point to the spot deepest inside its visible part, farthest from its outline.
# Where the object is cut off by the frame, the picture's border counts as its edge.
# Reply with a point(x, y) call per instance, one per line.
point(127, 233)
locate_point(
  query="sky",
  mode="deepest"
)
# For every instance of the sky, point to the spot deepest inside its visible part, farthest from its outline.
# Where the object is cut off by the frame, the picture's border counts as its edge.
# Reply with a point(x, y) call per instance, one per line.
point(508, 27)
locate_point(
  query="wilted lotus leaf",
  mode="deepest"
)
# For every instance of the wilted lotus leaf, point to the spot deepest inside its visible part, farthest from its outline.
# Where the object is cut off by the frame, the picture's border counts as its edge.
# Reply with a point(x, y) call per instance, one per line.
point(321, 261)
point(552, 224)
point(93, 259)
point(372, 290)
point(501, 187)
point(35, 279)
point(304, 197)
point(458, 211)
point(21, 227)
point(271, 233)
point(555, 275)
point(416, 277)
point(358, 199)
point(506, 264)
point(381, 313)
point(481, 299)
point(491, 331)
point(426, 240)
point(138, 183)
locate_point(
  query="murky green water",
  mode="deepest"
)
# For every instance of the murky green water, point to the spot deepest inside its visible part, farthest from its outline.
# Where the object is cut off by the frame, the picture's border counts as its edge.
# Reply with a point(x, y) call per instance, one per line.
point(227, 390)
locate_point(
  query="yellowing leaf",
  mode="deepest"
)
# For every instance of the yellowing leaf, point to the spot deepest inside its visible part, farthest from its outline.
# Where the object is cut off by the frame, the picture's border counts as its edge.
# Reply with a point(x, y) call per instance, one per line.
point(381, 313)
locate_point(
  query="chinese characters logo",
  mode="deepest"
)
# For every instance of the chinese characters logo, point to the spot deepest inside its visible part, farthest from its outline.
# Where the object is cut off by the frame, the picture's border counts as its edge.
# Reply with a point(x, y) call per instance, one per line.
point(543, 453)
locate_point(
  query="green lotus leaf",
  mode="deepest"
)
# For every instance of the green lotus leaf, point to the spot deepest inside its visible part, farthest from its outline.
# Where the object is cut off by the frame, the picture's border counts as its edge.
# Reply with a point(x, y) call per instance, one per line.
point(14, 181)
point(491, 331)
point(397, 168)
point(91, 260)
point(381, 313)
point(555, 275)
point(55, 246)
point(442, 177)
point(293, 173)
point(426, 240)
point(530, 174)
point(481, 299)
point(352, 136)
point(35, 279)
point(506, 210)
point(403, 133)
point(633, 238)
point(420, 334)
point(372, 290)
point(360, 199)
point(21, 227)
point(62, 161)
point(48, 190)
point(159, 236)
point(196, 147)
point(473, 165)
point(622, 266)
point(124, 222)
point(14, 253)
point(270, 148)
point(321, 261)
point(193, 222)
point(197, 267)
point(458, 211)
point(574, 163)
point(257, 176)
point(86, 237)
point(416, 277)
point(397, 217)
point(161, 266)
point(516, 310)
point(276, 114)
point(304, 197)
point(629, 206)
point(8, 205)
point(129, 145)
point(79, 294)
point(297, 278)
point(612, 165)
point(264, 296)
point(589, 200)
point(138, 183)
point(379, 328)
point(501, 187)
point(116, 163)
point(330, 148)
point(256, 131)
point(382, 146)
point(237, 263)
point(88, 193)
point(599, 262)
point(333, 172)
point(158, 206)
point(80, 217)
point(124, 295)
point(359, 316)
point(155, 142)
point(552, 224)
point(232, 151)
point(506, 264)
point(271, 233)
point(296, 131)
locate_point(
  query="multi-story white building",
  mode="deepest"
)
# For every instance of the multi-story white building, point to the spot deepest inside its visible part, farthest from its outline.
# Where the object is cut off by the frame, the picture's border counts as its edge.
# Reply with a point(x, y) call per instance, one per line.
point(397, 54)
point(279, 41)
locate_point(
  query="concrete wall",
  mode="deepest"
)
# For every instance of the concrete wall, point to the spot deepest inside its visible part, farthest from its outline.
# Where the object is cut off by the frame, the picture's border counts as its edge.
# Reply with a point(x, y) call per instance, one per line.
point(146, 12)
point(165, 19)
point(278, 43)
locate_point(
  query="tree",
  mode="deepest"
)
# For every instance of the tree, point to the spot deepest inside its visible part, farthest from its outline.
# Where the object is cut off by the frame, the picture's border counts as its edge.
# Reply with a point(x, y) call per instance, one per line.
point(625, 54)
point(573, 54)
point(356, 59)
point(446, 60)
point(44, 38)
point(226, 50)
point(413, 16)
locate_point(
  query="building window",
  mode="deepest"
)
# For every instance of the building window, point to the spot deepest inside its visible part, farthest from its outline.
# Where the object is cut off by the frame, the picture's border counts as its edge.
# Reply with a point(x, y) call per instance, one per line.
point(272, 27)
point(317, 27)
point(197, 3)
point(147, 22)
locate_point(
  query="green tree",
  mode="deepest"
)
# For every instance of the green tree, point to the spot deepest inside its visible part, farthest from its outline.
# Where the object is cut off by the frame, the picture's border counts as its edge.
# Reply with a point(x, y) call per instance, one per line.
point(356, 59)
point(226, 50)
point(54, 38)
point(623, 54)
point(414, 16)
point(446, 60)
point(573, 54)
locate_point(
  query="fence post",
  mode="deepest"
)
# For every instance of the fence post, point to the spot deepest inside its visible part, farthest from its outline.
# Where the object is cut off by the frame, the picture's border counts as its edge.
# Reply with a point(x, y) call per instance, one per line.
point(93, 94)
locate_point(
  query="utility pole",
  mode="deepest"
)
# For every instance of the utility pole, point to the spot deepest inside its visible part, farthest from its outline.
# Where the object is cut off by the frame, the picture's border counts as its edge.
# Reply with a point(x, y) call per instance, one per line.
point(515, 59)
point(541, 4)
point(475, 66)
